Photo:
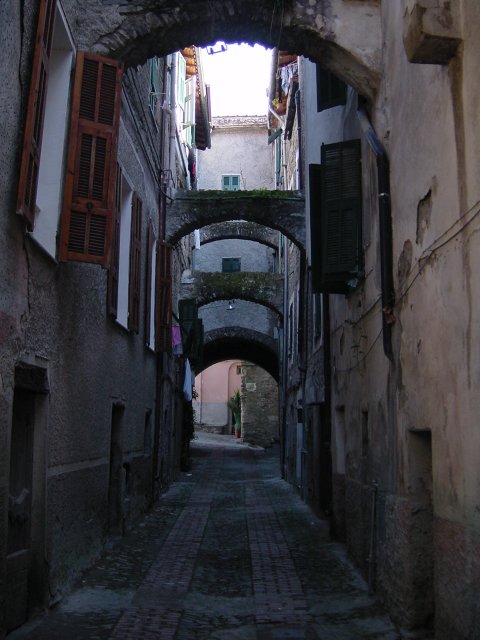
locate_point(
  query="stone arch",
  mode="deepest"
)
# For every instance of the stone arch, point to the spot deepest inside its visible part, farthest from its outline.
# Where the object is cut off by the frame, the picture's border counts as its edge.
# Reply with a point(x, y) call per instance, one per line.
point(232, 343)
point(345, 36)
point(239, 230)
point(283, 211)
point(261, 288)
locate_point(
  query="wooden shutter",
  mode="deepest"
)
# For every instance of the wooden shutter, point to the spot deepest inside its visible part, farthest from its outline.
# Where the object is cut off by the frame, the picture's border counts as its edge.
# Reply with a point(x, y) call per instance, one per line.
point(148, 283)
point(115, 252)
point(134, 283)
point(331, 91)
point(91, 165)
point(315, 190)
point(163, 306)
point(341, 229)
point(32, 140)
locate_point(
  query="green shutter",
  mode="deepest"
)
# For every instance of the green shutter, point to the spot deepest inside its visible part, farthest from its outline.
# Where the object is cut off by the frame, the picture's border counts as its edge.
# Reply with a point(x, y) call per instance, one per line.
point(197, 346)
point(315, 190)
point(331, 91)
point(188, 314)
point(341, 229)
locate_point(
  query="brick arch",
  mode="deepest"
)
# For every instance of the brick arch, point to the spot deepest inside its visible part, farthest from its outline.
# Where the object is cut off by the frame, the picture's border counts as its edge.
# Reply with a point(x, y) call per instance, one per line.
point(283, 211)
point(232, 343)
point(239, 230)
point(345, 36)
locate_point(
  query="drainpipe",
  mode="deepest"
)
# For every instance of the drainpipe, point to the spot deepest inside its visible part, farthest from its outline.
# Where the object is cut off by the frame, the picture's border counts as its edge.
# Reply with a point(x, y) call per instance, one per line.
point(385, 229)
point(285, 358)
point(173, 117)
point(299, 129)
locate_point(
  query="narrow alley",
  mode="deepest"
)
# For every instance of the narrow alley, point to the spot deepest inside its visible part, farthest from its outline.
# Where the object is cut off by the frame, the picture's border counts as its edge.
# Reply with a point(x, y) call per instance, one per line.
point(230, 552)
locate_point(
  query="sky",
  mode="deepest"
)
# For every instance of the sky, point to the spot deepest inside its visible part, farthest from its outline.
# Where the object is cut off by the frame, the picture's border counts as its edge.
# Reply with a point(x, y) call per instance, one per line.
point(239, 78)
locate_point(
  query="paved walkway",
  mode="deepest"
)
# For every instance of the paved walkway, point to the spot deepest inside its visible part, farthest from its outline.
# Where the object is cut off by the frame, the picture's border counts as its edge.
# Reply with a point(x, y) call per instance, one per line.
point(229, 553)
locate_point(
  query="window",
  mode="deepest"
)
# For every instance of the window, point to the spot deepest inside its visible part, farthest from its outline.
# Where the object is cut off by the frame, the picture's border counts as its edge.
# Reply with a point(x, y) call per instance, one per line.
point(231, 183)
point(48, 200)
point(163, 304)
point(125, 266)
point(91, 164)
point(150, 288)
point(189, 111)
point(331, 91)
point(154, 98)
point(336, 218)
point(86, 215)
point(135, 268)
point(230, 265)
point(186, 91)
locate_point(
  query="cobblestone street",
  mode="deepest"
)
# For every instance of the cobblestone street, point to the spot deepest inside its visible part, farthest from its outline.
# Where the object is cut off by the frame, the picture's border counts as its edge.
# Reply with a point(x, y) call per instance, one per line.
point(229, 553)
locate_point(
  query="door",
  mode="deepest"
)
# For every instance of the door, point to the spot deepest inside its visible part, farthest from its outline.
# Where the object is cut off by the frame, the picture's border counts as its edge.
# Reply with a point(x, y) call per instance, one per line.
point(19, 555)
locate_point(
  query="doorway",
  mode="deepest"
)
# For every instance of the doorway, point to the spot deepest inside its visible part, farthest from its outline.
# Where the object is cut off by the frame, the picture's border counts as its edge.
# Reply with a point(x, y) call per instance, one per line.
point(116, 482)
point(26, 563)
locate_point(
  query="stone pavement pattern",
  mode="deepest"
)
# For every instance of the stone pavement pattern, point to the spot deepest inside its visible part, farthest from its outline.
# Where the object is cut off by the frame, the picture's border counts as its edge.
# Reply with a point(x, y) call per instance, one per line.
point(229, 553)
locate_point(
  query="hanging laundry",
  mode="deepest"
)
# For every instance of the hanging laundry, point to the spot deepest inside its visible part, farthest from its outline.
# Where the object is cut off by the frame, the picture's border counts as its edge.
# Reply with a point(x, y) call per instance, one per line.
point(177, 345)
point(188, 382)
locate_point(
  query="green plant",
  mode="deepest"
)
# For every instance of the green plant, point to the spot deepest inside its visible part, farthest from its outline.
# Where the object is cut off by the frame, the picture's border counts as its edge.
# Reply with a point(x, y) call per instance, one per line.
point(234, 403)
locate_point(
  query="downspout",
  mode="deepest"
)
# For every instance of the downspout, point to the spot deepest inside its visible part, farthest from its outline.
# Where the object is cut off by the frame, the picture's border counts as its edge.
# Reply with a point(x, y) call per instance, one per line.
point(285, 358)
point(385, 230)
point(173, 117)
point(160, 358)
point(299, 133)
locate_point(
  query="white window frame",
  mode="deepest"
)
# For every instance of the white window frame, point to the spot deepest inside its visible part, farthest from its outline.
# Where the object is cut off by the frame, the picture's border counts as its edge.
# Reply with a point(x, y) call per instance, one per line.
point(124, 252)
point(55, 133)
point(230, 176)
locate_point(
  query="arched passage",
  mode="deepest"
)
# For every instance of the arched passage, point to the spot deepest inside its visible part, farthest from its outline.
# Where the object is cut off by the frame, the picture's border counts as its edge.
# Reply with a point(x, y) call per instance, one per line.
point(280, 210)
point(231, 343)
point(262, 288)
point(346, 36)
point(239, 230)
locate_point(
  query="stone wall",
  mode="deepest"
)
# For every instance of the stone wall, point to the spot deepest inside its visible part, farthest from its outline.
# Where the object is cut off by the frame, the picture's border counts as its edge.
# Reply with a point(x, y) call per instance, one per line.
point(259, 406)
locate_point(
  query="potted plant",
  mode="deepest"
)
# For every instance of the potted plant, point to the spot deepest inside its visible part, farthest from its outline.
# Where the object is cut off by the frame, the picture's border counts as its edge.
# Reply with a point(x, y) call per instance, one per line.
point(234, 403)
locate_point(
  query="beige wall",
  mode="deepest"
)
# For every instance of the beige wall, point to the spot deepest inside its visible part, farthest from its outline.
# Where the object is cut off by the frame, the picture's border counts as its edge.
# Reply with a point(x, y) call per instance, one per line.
point(215, 386)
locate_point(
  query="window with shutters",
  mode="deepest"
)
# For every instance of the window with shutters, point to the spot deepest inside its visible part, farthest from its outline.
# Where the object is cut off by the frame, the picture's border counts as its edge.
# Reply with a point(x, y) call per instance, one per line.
point(189, 110)
point(113, 274)
point(188, 315)
point(150, 287)
point(163, 304)
point(124, 282)
point(331, 91)
point(230, 265)
point(339, 219)
point(154, 98)
point(231, 183)
point(135, 268)
point(86, 224)
point(41, 173)
point(185, 88)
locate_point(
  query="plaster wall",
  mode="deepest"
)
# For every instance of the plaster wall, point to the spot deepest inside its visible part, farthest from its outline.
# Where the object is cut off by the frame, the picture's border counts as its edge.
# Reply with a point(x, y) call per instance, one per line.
point(239, 147)
point(215, 385)
point(54, 316)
